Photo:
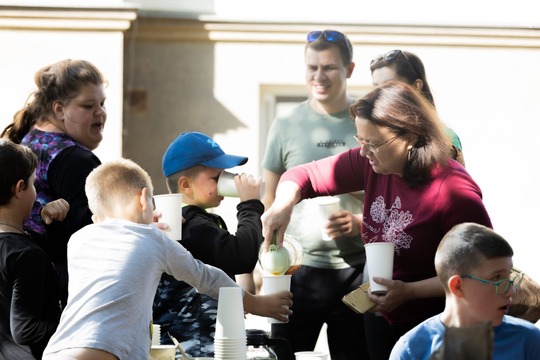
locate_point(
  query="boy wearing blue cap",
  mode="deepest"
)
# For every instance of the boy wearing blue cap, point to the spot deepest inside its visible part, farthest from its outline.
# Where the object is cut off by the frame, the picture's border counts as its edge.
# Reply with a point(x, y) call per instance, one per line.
point(192, 165)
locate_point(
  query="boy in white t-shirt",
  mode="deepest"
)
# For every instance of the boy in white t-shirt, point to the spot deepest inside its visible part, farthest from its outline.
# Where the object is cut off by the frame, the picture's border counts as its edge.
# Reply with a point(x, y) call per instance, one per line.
point(115, 266)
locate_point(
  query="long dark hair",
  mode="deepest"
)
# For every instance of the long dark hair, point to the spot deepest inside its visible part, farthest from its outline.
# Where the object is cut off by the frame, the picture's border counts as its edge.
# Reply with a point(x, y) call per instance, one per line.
point(402, 109)
point(408, 67)
point(61, 82)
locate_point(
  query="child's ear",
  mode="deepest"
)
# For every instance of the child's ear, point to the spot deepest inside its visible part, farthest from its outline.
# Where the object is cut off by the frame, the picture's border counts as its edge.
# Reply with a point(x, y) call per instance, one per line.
point(184, 185)
point(143, 199)
point(455, 284)
point(18, 188)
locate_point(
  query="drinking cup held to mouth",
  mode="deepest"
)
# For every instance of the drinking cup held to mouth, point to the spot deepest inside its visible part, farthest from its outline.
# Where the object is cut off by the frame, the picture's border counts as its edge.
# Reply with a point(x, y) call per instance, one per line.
point(226, 185)
point(310, 355)
point(272, 284)
point(380, 260)
point(328, 205)
point(170, 206)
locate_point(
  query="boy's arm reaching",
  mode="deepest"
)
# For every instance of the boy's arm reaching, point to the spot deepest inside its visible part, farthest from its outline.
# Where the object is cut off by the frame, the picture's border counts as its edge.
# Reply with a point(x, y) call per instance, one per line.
point(276, 305)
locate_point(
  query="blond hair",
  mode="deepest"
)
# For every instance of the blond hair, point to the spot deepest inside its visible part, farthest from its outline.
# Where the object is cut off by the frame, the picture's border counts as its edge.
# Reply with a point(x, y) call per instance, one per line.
point(113, 184)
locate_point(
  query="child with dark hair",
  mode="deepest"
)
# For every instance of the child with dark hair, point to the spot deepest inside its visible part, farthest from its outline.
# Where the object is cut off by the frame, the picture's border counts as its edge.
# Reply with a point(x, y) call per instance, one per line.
point(474, 265)
point(29, 295)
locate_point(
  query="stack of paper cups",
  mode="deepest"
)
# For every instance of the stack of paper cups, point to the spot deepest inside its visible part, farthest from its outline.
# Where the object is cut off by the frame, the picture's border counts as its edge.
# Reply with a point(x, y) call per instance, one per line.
point(230, 338)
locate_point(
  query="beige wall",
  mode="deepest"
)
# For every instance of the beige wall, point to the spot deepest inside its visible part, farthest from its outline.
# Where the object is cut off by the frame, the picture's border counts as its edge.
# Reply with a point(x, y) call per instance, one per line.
point(31, 38)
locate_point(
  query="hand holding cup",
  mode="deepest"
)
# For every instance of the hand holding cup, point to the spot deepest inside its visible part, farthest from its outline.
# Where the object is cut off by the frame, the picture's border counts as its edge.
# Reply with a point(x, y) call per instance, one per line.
point(244, 186)
point(380, 262)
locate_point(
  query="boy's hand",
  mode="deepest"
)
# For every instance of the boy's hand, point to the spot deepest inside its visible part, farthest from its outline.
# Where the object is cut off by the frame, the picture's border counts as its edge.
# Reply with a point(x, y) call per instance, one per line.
point(277, 306)
point(161, 225)
point(248, 186)
point(56, 210)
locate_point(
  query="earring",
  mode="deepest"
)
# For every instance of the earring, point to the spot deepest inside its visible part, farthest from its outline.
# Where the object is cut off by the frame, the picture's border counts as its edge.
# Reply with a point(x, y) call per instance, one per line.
point(409, 154)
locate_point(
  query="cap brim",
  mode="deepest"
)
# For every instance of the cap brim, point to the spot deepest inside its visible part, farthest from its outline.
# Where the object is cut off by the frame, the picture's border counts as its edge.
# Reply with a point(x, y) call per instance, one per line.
point(226, 161)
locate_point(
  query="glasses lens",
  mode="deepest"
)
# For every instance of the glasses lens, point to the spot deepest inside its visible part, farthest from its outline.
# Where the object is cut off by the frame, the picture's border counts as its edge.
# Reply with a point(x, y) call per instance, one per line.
point(504, 286)
point(314, 35)
point(389, 56)
point(333, 36)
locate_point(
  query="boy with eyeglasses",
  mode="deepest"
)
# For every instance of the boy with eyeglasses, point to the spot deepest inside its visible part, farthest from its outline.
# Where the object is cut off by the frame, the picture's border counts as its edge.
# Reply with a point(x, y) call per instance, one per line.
point(474, 265)
point(317, 128)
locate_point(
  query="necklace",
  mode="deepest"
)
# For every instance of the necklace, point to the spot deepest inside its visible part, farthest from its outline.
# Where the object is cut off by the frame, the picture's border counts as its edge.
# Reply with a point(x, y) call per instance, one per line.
point(12, 226)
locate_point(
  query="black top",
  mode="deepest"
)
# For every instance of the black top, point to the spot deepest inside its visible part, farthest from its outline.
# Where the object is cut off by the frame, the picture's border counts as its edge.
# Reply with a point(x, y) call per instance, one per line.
point(66, 179)
point(29, 298)
point(206, 236)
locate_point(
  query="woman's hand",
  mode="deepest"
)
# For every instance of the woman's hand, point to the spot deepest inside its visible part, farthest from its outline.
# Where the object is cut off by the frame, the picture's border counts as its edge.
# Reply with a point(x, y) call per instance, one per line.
point(400, 292)
point(397, 294)
point(278, 216)
point(56, 210)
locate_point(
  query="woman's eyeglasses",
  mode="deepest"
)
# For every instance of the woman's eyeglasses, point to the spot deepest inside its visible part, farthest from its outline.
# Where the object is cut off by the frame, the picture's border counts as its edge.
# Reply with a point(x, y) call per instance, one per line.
point(331, 36)
point(371, 147)
point(391, 55)
point(501, 286)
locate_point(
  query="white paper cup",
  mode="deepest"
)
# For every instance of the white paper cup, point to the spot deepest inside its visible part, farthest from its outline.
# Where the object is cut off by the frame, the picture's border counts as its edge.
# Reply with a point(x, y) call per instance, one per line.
point(311, 355)
point(226, 185)
point(170, 206)
point(380, 260)
point(156, 334)
point(230, 314)
point(327, 206)
point(272, 284)
point(162, 352)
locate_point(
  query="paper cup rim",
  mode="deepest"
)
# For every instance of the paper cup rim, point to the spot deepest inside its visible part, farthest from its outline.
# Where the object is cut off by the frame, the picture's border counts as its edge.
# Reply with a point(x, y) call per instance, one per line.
point(379, 244)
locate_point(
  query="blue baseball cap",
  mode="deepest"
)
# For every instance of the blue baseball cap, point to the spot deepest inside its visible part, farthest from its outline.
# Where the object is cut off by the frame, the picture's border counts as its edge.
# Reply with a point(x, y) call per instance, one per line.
point(194, 148)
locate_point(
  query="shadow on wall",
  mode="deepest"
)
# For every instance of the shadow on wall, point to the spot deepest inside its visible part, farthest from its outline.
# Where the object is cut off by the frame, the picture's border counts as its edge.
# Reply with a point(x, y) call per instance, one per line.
point(168, 90)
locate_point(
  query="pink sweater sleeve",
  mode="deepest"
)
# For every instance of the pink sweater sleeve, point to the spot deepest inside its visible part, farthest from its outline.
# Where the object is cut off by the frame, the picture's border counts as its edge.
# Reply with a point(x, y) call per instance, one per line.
point(338, 174)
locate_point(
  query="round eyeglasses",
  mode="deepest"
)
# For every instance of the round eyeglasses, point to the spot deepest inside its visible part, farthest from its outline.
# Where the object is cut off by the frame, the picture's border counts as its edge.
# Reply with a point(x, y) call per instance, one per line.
point(502, 286)
point(371, 147)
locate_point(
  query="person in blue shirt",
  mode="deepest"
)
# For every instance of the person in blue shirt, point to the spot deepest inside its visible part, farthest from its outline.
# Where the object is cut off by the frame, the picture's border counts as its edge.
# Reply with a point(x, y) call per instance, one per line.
point(474, 265)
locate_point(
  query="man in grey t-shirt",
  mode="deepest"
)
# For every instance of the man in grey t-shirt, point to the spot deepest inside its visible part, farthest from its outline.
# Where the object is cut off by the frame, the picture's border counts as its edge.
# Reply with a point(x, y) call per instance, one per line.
point(317, 128)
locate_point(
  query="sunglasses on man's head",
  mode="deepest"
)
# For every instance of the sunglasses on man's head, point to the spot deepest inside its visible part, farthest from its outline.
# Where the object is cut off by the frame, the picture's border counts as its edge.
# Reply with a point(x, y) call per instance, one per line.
point(329, 35)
